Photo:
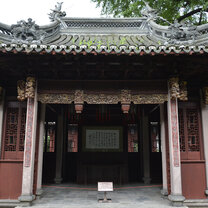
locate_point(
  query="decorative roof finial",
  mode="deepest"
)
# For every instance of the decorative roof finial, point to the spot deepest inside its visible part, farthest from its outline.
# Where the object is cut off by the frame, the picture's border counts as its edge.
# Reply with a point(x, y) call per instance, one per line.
point(151, 14)
point(149, 11)
point(57, 14)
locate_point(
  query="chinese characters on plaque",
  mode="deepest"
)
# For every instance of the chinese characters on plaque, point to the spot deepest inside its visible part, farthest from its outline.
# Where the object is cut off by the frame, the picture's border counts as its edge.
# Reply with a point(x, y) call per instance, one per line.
point(102, 139)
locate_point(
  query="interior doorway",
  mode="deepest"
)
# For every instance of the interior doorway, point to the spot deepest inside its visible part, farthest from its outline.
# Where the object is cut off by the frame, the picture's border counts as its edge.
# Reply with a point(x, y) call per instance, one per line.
point(102, 144)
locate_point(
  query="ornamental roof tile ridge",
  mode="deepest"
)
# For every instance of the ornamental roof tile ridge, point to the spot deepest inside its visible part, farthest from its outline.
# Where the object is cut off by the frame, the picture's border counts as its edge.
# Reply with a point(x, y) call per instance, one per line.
point(104, 35)
point(83, 49)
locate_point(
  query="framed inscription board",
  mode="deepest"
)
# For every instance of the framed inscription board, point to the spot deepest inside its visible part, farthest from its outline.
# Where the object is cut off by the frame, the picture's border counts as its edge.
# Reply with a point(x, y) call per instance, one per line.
point(102, 139)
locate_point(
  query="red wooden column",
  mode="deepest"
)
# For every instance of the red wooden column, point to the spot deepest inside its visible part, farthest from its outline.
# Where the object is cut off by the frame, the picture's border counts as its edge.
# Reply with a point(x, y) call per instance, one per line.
point(30, 137)
point(174, 146)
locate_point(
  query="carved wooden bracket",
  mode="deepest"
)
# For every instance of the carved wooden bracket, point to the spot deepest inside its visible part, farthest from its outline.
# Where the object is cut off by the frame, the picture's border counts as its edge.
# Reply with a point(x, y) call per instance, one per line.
point(183, 91)
point(178, 90)
point(26, 89)
point(21, 90)
point(125, 96)
point(79, 96)
point(30, 87)
point(174, 87)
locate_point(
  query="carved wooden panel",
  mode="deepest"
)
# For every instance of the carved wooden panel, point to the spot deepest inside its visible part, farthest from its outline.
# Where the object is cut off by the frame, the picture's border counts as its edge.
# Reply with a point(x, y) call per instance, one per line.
point(14, 130)
point(190, 131)
point(181, 131)
point(101, 97)
point(22, 129)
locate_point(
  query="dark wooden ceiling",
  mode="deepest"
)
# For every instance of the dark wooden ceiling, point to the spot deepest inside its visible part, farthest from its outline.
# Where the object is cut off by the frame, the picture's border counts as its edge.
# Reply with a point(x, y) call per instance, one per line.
point(101, 67)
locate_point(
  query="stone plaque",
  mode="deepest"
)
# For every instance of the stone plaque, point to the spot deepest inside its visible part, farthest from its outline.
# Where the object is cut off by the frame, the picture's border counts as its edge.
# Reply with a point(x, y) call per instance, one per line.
point(102, 139)
point(105, 186)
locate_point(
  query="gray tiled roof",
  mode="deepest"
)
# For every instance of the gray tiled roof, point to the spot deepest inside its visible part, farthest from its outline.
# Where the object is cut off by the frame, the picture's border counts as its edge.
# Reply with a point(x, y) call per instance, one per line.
point(129, 36)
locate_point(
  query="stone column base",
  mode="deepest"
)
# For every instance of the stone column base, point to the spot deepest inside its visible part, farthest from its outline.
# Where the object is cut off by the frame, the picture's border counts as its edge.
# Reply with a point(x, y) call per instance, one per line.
point(26, 200)
point(177, 200)
point(164, 192)
point(39, 192)
point(58, 180)
point(146, 180)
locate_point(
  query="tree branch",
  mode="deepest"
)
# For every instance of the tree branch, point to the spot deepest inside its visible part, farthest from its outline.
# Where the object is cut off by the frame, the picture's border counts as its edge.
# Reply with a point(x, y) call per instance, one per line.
point(200, 19)
point(190, 14)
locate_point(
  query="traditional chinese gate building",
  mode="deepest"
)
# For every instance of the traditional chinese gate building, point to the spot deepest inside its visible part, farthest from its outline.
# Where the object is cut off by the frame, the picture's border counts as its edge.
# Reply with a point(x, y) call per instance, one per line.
point(122, 100)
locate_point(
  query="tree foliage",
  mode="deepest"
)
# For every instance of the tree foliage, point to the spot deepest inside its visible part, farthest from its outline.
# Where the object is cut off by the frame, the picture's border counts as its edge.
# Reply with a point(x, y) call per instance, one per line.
point(194, 11)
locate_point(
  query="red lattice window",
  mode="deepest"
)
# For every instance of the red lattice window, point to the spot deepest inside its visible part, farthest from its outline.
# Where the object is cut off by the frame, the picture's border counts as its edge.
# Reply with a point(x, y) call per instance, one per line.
point(132, 138)
point(189, 131)
point(14, 130)
point(11, 129)
point(193, 130)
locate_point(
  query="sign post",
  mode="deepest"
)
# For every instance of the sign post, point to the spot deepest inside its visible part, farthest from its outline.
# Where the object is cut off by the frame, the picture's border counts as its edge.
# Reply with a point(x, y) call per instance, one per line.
point(105, 187)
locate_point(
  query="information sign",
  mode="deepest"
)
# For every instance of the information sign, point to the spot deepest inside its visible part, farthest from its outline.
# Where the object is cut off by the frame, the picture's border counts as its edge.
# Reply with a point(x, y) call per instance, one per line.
point(105, 186)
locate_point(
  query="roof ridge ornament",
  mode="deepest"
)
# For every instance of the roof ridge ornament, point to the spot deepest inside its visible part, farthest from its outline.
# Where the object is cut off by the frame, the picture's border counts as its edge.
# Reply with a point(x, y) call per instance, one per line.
point(179, 32)
point(182, 32)
point(27, 32)
point(57, 14)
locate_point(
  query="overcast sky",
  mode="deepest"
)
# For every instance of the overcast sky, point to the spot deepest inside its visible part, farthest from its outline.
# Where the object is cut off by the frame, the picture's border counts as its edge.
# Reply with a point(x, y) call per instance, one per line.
point(12, 11)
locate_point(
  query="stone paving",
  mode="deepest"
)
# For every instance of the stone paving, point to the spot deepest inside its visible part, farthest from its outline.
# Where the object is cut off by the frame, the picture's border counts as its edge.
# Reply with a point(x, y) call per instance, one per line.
point(74, 196)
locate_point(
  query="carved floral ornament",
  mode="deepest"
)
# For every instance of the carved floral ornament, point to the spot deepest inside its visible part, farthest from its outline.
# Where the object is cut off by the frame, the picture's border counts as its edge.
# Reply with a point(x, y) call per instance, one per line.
point(26, 89)
point(178, 90)
point(125, 97)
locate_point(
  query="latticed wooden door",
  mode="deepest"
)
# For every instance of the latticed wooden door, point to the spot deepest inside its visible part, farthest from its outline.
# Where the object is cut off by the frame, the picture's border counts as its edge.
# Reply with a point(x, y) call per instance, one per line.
point(190, 132)
point(191, 147)
point(14, 130)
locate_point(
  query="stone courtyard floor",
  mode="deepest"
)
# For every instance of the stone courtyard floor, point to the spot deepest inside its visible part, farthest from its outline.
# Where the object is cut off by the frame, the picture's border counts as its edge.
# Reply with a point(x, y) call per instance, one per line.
point(75, 196)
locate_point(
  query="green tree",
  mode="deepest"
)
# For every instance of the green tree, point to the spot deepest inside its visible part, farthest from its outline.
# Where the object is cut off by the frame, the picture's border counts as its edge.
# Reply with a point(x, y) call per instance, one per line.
point(194, 11)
